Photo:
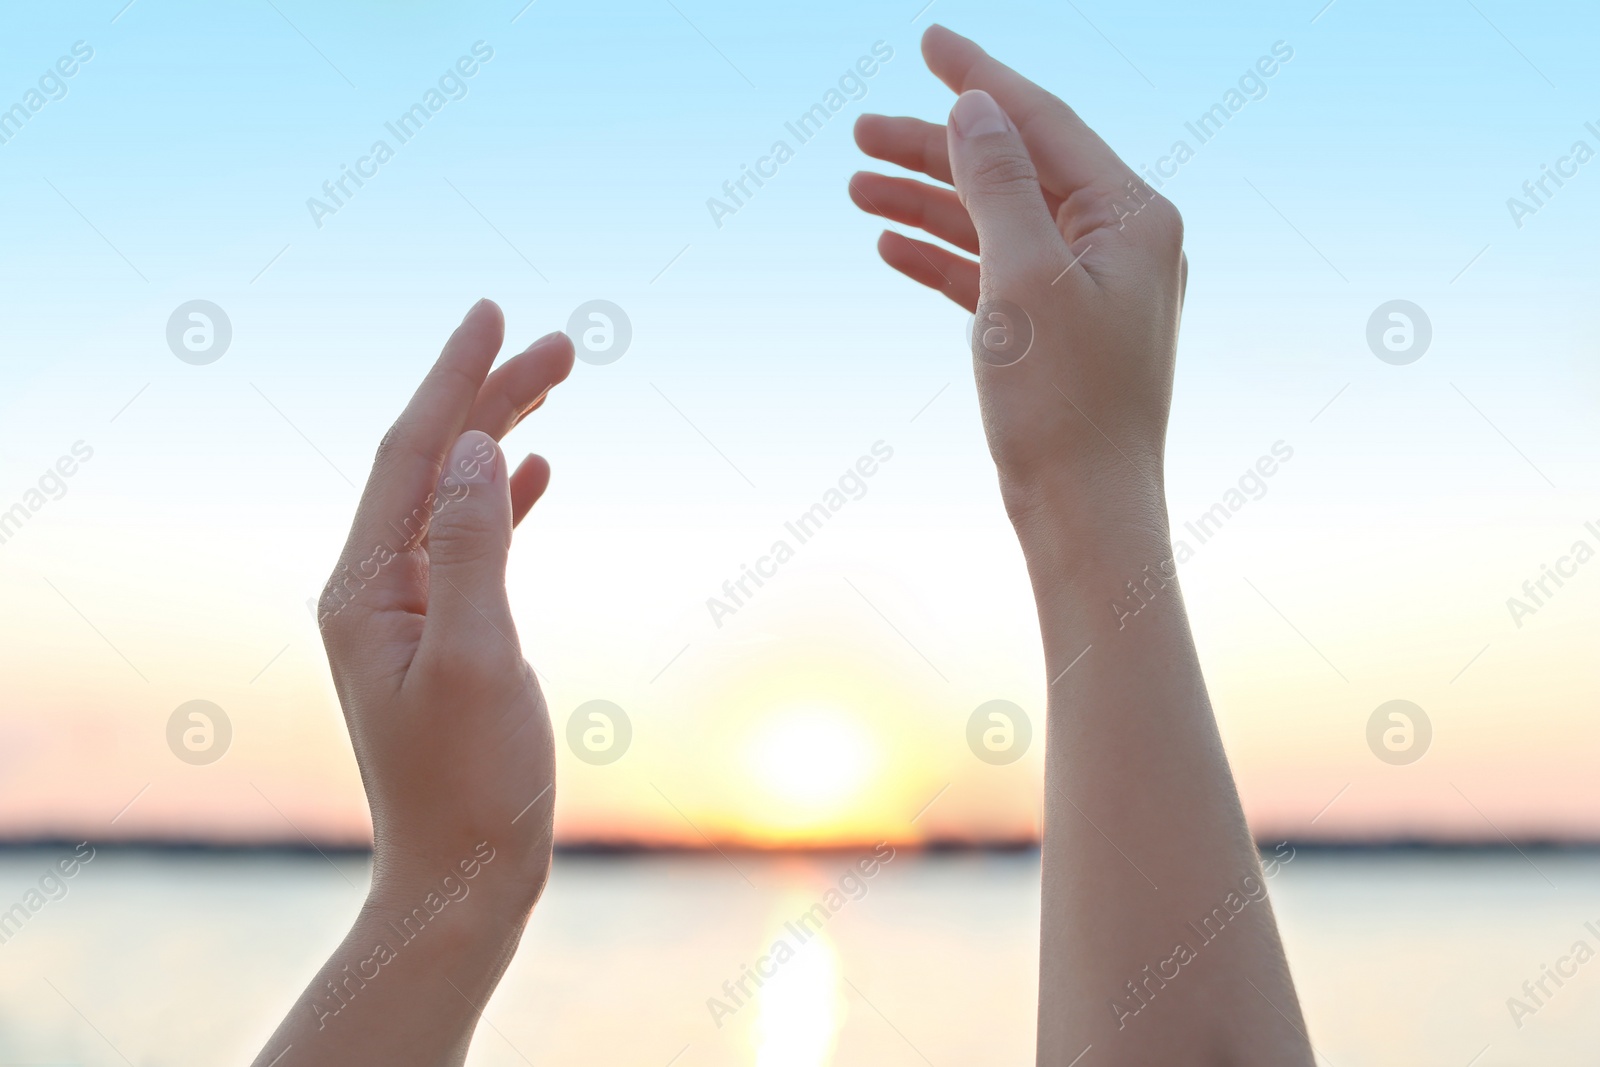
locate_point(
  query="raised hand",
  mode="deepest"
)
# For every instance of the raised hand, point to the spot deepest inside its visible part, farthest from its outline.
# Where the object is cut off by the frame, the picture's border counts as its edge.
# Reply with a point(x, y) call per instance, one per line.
point(1080, 264)
point(450, 730)
point(1158, 943)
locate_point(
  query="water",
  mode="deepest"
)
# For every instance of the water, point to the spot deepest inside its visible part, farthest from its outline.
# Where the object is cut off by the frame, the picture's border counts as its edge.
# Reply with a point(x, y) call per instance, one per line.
point(173, 959)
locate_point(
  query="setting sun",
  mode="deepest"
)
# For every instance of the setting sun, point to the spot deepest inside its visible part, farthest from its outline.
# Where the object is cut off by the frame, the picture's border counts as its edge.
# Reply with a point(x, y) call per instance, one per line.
point(814, 760)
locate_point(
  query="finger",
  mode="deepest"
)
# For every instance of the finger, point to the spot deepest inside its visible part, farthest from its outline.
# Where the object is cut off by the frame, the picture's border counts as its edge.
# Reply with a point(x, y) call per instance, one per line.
point(468, 542)
point(916, 145)
point(1068, 153)
point(997, 183)
point(935, 267)
point(913, 203)
point(392, 517)
point(519, 385)
point(909, 143)
point(528, 483)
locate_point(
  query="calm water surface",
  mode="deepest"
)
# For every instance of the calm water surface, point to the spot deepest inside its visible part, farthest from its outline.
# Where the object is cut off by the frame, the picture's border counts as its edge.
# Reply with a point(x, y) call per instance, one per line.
point(178, 959)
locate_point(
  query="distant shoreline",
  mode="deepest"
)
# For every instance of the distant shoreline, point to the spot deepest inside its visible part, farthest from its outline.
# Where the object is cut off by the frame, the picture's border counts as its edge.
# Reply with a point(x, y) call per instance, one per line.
point(928, 848)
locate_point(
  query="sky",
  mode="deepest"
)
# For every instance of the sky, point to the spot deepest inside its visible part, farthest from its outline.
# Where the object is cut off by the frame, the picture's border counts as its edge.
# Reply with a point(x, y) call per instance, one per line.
point(184, 159)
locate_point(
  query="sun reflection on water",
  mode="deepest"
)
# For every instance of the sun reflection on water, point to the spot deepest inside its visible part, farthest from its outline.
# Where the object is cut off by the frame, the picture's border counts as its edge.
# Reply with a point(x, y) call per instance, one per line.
point(801, 1009)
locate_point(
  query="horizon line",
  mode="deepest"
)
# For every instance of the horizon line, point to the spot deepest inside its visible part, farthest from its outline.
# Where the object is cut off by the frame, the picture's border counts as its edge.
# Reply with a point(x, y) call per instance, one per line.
point(604, 848)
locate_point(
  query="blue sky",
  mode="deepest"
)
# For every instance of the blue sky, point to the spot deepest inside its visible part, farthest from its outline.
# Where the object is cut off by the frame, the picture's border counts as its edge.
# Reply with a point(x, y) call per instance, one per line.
point(772, 351)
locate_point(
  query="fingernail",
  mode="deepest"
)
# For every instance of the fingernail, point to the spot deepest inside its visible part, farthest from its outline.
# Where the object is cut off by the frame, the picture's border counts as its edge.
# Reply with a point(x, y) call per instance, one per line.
point(474, 308)
point(546, 339)
point(472, 460)
point(976, 114)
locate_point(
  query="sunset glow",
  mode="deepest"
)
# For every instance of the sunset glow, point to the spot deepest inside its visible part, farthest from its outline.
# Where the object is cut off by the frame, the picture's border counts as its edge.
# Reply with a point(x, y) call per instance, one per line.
point(208, 502)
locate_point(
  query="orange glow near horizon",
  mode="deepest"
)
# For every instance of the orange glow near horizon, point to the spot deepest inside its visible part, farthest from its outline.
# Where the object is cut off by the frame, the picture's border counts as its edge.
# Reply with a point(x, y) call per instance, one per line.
point(809, 767)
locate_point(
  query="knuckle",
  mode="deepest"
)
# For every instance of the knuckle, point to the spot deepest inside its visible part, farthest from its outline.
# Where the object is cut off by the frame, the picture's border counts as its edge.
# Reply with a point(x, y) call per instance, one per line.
point(388, 445)
point(1149, 218)
point(398, 446)
point(1089, 208)
point(1168, 221)
point(470, 659)
point(446, 668)
point(337, 594)
point(1004, 171)
point(467, 536)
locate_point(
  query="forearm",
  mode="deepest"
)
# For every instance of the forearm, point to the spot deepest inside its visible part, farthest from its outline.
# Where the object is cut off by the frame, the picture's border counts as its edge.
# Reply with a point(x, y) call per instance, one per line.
point(408, 982)
point(1158, 943)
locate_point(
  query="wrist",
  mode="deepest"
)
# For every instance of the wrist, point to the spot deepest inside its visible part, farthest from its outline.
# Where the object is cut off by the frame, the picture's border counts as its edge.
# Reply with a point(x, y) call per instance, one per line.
point(1074, 517)
point(481, 886)
point(406, 943)
point(449, 922)
point(1104, 574)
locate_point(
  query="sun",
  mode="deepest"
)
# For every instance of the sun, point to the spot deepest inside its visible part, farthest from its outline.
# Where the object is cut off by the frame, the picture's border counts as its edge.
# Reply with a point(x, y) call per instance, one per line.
point(812, 761)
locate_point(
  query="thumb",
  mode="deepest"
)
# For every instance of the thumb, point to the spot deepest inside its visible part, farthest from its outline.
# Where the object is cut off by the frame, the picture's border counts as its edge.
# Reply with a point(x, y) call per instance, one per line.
point(469, 538)
point(998, 185)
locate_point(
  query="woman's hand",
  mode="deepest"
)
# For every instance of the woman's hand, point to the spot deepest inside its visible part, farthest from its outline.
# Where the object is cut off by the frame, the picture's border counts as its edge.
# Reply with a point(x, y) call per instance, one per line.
point(1078, 291)
point(449, 727)
point(1079, 282)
